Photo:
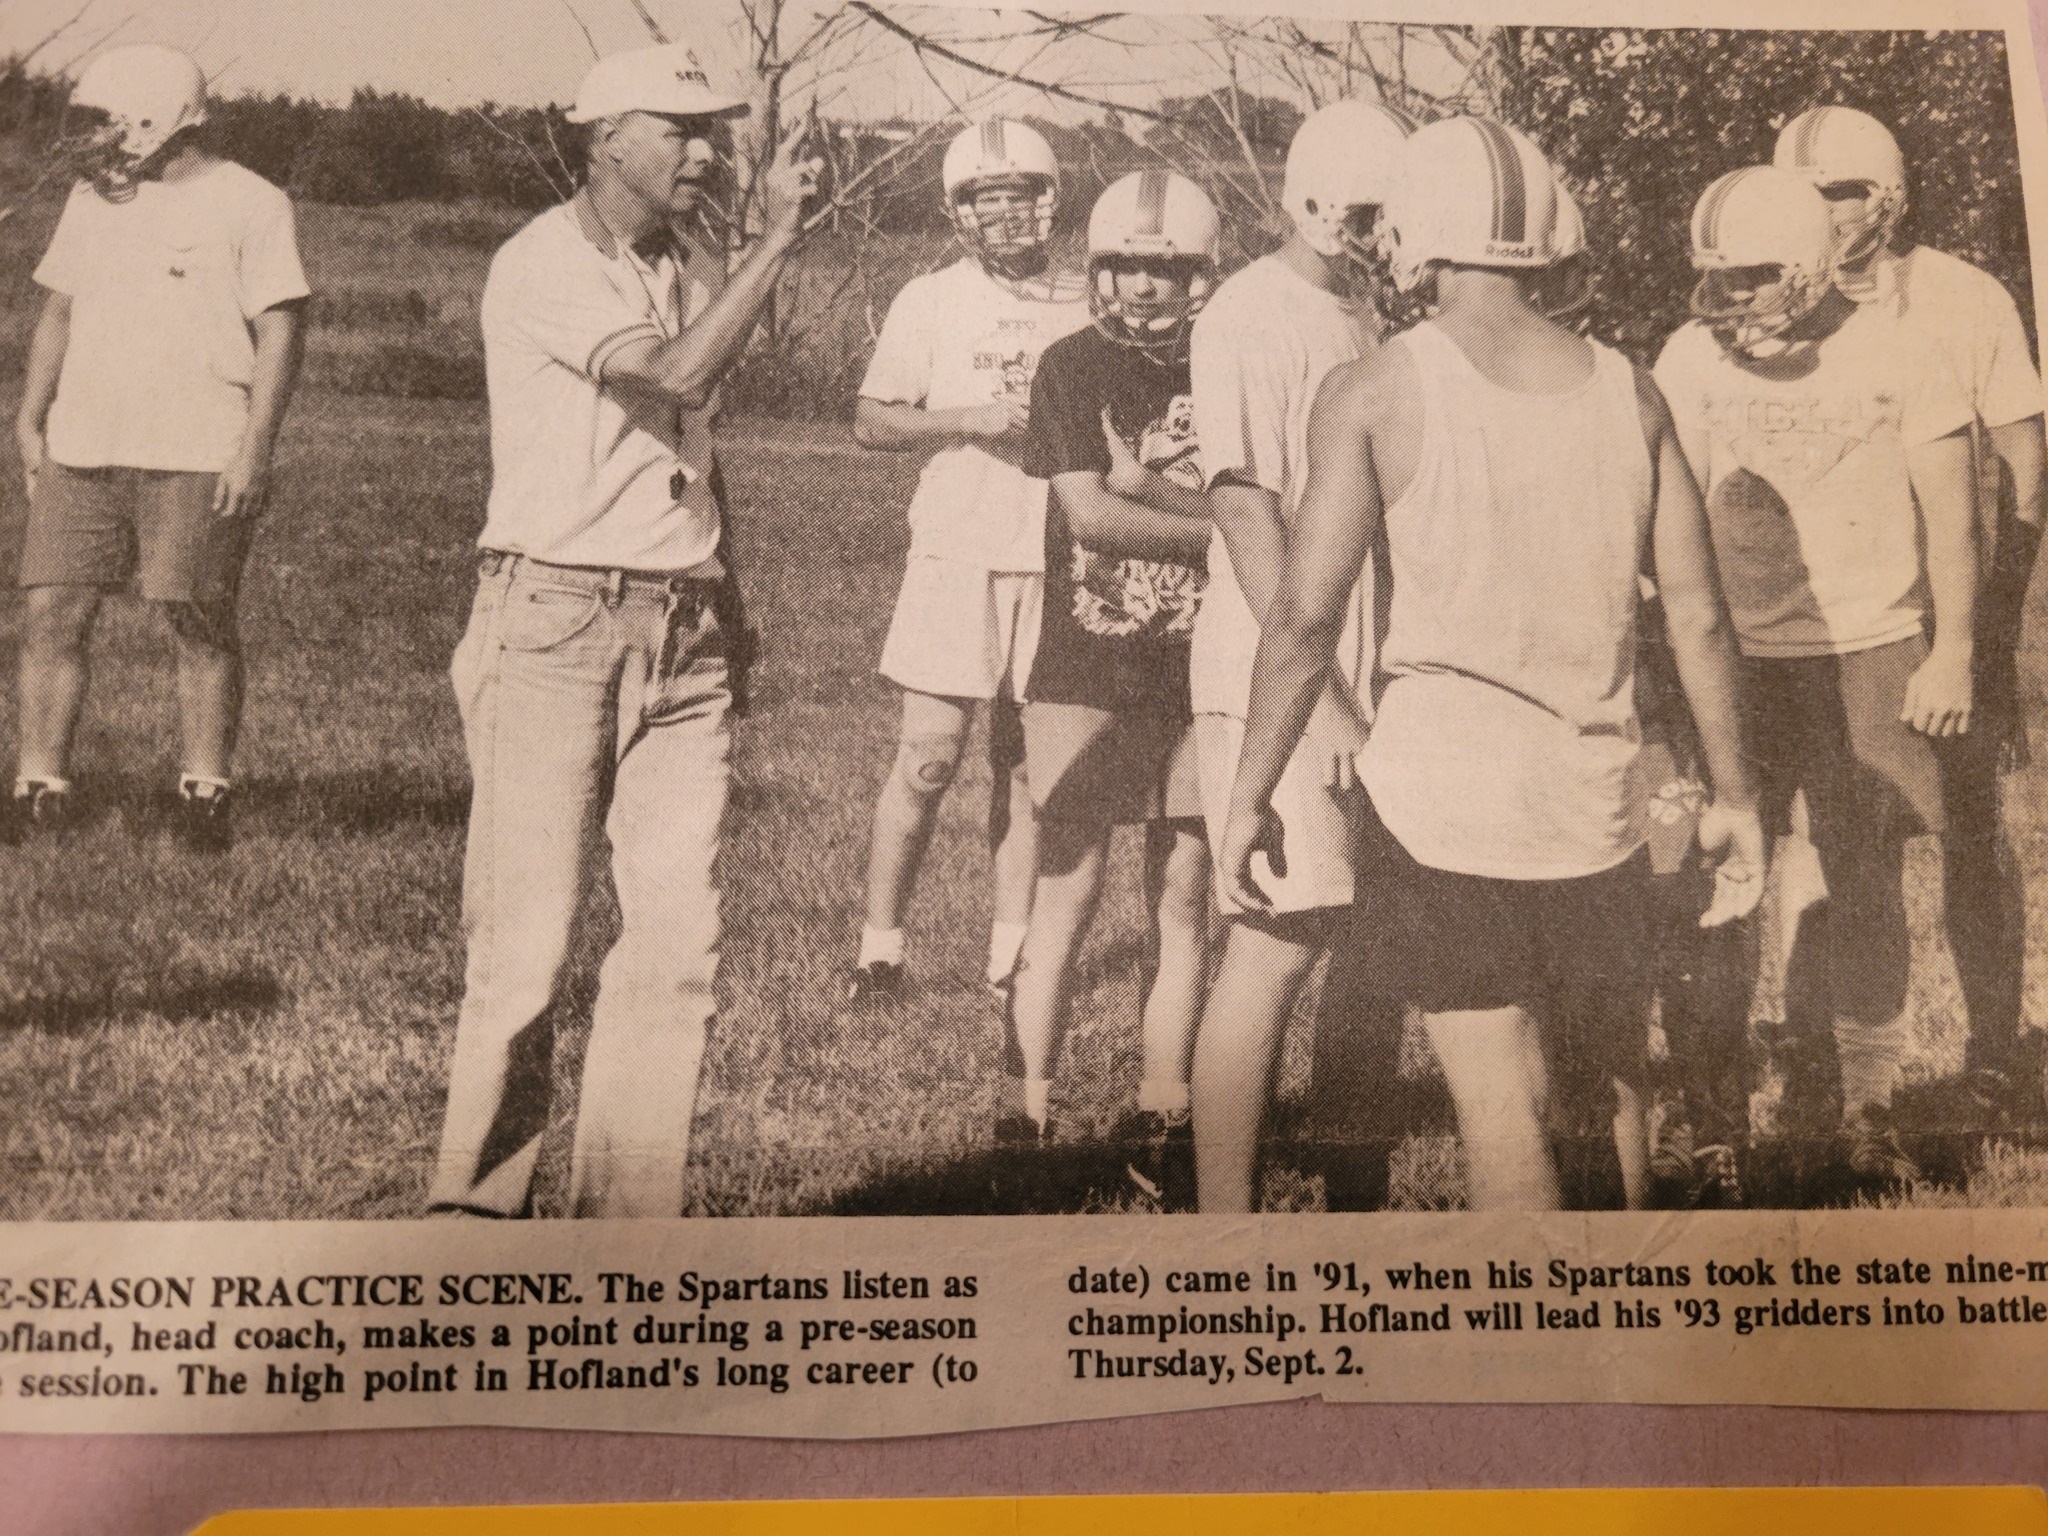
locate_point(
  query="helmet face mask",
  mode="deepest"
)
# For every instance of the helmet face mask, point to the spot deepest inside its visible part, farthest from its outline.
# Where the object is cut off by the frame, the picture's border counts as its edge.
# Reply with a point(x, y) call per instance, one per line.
point(1752, 309)
point(1864, 231)
point(1149, 302)
point(1004, 219)
point(1338, 170)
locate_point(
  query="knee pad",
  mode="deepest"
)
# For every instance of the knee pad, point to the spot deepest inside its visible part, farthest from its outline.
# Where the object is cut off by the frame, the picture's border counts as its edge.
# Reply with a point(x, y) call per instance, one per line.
point(208, 623)
point(927, 764)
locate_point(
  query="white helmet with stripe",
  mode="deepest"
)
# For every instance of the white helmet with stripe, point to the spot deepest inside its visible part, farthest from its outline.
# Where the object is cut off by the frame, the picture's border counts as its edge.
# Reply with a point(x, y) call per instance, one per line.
point(1152, 216)
point(141, 95)
point(1763, 244)
point(1842, 147)
point(1566, 287)
point(1339, 168)
point(995, 154)
point(1473, 192)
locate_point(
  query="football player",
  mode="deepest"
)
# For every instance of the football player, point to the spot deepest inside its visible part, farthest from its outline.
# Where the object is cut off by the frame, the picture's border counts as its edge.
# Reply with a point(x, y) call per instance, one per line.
point(1107, 729)
point(1832, 442)
point(1855, 162)
point(1260, 351)
point(162, 365)
point(951, 379)
point(1517, 473)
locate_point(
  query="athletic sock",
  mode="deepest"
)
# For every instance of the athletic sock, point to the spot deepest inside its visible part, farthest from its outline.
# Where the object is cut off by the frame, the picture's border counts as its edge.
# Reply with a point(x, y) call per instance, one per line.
point(200, 786)
point(1169, 1099)
point(1038, 1100)
point(1872, 1057)
point(880, 946)
point(1005, 943)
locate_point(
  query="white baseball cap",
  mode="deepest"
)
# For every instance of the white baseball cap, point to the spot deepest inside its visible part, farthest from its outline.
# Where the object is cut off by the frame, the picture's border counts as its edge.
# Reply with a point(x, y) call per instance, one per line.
point(667, 80)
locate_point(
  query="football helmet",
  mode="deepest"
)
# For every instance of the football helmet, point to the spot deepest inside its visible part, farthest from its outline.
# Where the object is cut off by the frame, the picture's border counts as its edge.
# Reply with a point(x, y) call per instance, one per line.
point(1470, 191)
point(999, 153)
point(1763, 244)
point(1833, 146)
point(134, 100)
point(1157, 216)
point(1338, 169)
point(1565, 289)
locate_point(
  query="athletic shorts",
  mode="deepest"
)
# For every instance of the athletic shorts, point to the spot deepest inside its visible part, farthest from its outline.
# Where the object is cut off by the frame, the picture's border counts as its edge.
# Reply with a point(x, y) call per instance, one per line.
point(1829, 725)
point(1317, 824)
point(107, 527)
point(1109, 767)
point(1577, 951)
point(963, 632)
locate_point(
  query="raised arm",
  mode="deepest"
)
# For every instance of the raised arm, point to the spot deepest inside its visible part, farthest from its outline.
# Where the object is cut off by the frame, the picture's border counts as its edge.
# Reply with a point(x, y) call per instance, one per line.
point(689, 366)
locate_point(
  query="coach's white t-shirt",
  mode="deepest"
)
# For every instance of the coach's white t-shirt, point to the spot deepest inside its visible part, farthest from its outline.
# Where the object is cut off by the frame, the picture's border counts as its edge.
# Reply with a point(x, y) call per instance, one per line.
point(161, 358)
point(1260, 350)
point(957, 338)
point(584, 473)
point(1803, 462)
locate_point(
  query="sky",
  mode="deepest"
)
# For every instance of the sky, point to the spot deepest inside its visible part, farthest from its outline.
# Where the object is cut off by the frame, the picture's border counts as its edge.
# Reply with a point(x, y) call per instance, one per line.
point(531, 52)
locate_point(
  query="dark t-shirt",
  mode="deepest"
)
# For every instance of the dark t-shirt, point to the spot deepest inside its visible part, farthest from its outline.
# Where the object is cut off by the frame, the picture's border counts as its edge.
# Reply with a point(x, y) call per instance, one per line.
point(1116, 629)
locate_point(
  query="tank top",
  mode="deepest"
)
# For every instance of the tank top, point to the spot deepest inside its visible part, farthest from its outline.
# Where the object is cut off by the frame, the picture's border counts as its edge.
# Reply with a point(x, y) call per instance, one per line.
point(1505, 738)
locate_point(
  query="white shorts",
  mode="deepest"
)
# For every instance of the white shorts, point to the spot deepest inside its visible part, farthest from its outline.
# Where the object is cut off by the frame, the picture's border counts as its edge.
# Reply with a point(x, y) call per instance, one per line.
point(964, 632)
point(1314, 821)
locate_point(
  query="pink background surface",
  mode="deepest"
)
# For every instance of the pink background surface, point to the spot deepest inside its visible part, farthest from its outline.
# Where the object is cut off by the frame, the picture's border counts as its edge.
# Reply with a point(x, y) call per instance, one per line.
point(158, 1485)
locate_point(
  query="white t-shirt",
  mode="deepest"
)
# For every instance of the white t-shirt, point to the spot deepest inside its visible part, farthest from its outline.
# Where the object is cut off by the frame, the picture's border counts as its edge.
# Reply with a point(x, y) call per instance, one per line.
point(163, 287)
point(1974, 319)
point(584, 473)
point(1260, 350)
point(1803, 463)
point(957, 338)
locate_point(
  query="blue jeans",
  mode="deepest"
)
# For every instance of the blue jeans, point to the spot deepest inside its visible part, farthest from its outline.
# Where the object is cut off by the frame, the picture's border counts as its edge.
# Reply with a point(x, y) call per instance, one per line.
point(594, 706)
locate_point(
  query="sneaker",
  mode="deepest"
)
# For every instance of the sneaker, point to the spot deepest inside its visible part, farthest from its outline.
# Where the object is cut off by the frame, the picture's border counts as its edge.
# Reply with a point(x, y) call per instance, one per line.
point(1159, 1157)
point(1717, 1184)
point(37, 810)
point(1674, 1160)
point(1871, 1152)
point(877, 984)
point(204, 822)
point(1016, 1130)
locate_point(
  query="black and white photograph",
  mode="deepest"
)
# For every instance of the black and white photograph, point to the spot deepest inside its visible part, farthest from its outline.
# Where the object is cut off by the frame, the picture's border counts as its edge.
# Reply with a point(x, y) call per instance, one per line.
point(628, 608)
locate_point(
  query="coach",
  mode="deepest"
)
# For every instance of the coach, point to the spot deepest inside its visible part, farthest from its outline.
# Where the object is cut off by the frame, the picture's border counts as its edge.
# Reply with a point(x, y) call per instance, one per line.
point(593, 679)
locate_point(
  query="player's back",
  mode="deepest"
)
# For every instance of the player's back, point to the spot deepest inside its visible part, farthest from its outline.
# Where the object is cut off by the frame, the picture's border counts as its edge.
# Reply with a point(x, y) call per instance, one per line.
point(1506, 730)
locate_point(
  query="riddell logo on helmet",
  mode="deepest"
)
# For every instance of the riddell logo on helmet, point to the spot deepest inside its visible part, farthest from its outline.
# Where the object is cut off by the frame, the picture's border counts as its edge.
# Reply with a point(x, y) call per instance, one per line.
point(1511, 250)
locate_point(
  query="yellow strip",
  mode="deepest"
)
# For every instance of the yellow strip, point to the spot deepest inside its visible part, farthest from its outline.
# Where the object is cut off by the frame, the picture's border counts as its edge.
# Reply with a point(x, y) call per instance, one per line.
point(1629, 1512)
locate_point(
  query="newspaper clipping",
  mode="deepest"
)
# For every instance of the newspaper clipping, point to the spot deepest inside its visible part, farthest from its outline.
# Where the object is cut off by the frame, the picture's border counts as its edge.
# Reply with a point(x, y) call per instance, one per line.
point(787, 718)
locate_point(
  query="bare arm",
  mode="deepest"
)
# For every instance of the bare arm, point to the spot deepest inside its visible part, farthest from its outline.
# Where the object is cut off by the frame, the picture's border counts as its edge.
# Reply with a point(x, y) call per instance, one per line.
point(1938, 698)
point(39, 389)
point(1701, 632)
point(1304, 615)
point(1248, 517)
point(688, 367)
point(1101, 519)
point(280, 350)
point(1134, 482)
point(898, 428)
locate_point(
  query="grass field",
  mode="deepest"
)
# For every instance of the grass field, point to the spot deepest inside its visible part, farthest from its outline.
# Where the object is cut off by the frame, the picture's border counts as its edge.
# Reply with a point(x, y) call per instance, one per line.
point(268, 1036)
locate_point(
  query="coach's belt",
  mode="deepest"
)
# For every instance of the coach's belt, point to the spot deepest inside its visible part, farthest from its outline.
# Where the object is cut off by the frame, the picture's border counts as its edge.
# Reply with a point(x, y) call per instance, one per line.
point(703, 583)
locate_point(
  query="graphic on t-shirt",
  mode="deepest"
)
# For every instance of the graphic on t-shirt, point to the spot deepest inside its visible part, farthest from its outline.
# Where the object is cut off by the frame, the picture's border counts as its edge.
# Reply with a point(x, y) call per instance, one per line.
point(1123, 597)
point(1794, 441)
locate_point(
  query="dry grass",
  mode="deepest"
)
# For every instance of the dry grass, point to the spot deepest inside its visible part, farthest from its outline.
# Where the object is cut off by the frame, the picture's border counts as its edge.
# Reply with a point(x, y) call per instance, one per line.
point(268, 1037)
